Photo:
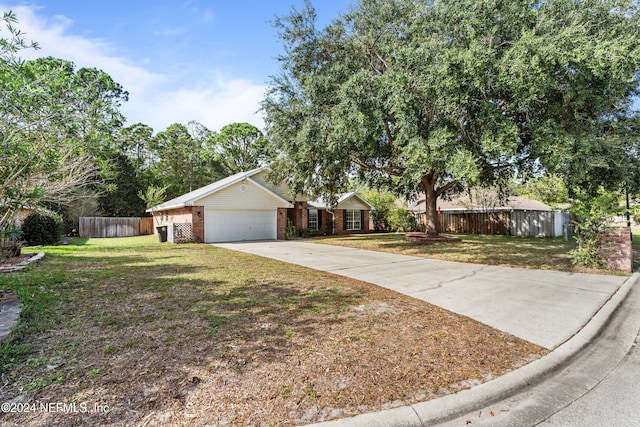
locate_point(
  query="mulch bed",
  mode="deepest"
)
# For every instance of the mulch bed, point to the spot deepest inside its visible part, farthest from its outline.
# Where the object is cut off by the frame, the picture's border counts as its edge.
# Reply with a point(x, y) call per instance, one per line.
point(13, 261)
point(425, 239)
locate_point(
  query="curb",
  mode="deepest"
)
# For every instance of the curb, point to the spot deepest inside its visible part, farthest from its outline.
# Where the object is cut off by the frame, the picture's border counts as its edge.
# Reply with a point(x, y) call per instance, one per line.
point(454, 405)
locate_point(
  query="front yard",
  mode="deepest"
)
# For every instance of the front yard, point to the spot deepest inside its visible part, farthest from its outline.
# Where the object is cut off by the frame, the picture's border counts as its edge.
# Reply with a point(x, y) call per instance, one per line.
point(142, 333)
point(542, 254)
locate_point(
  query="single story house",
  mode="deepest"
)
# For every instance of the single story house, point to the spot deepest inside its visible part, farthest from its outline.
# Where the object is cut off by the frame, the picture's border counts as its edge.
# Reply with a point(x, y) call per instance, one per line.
point(18, 217)
point(481, 202)
point(245, 206)
point(483, 212)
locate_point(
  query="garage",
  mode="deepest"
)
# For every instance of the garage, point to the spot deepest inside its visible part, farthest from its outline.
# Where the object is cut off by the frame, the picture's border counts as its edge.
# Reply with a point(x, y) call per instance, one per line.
point(241, 207)
point(223, 225)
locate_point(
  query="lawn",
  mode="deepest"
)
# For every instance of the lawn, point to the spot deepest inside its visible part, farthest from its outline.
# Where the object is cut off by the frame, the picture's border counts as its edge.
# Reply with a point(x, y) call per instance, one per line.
point(536, 253)
point(164, 334)
point(635, 233)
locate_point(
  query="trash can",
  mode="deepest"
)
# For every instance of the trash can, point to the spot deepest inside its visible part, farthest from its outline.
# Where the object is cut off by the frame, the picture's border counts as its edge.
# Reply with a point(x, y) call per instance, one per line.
point(162, 233)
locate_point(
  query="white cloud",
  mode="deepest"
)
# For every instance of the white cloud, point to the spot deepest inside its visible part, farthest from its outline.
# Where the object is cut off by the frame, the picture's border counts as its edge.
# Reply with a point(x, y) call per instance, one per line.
point(53, 36)
point(214, 104)
point(154, 97)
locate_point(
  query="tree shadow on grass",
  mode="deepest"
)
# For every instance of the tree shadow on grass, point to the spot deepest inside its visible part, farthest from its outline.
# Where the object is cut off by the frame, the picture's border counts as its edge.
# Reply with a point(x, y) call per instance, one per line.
point(165, 335)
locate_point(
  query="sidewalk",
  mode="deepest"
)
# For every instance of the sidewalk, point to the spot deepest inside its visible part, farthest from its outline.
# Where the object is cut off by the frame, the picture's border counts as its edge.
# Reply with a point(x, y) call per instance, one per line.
point(543, 307)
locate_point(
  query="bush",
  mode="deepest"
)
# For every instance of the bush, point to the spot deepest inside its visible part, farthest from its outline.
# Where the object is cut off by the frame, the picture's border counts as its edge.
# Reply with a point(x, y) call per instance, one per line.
point(402, 220)
point(589, 213)
point(10, 243)
point(589, 232)
point(290, 231)
point(310, 232)
point(40, 230)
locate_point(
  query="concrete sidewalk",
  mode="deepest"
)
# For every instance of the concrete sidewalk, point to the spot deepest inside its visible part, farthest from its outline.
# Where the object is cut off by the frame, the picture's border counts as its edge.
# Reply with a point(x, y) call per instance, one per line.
point(543, 307)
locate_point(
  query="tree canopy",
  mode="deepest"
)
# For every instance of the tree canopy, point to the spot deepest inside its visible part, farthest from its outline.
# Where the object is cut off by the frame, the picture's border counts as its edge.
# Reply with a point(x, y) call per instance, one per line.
point(63, 144)
point(54, 121)
point(240, 147)
point(422, 96)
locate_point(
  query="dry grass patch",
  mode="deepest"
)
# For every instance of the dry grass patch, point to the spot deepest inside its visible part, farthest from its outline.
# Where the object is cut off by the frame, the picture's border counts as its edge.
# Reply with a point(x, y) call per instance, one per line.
point(508, 251)
point(195, 335)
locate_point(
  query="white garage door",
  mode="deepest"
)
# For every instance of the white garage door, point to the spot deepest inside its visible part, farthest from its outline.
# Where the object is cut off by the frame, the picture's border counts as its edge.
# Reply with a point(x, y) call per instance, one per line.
point(235, 225)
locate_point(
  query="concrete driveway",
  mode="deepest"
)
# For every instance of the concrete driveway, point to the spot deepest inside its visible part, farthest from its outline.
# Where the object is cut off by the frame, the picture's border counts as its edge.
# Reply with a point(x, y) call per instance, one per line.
point(543, 307)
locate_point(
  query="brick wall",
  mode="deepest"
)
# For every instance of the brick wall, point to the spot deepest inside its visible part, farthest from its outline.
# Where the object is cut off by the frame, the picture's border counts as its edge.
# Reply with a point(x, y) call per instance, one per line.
point(197, 219)
point(282, 223)
point(174, 215)
point(616, 249)
point(339, 224)
point(187, 215)
point(303, 215)
point(339, 221)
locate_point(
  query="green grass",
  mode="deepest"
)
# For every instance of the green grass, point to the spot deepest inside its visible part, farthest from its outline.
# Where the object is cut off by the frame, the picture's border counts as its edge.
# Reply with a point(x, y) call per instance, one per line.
point(149, 328)
point(96, 292)
point(635, 233)
point(536, 253)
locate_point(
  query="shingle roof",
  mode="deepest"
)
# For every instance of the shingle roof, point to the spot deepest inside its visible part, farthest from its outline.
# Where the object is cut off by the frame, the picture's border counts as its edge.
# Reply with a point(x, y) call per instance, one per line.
point(464, 202)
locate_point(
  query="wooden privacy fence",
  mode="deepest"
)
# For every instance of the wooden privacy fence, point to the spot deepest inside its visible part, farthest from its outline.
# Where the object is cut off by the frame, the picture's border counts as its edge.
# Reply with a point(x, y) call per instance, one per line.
point(516, 223)
point(114, 227)
point(474, 223)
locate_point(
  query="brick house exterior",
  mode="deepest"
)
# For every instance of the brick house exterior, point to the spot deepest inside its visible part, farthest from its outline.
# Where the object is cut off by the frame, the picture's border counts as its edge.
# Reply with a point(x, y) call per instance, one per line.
point(246, 206)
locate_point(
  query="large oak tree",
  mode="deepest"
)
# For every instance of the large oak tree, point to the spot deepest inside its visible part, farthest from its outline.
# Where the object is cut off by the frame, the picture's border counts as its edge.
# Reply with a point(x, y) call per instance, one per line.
point(421, 96)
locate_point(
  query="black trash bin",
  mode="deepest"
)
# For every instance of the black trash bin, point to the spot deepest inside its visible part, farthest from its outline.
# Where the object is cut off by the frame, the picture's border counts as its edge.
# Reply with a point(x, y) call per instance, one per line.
point(162, 233)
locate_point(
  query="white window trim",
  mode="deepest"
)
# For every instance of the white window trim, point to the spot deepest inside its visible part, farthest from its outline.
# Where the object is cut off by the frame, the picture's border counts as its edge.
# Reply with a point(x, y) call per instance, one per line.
point(313, 213)
point(354, 223)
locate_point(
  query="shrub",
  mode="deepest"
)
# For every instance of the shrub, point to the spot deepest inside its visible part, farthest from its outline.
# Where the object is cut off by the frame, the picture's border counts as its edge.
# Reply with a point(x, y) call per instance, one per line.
point(589, 232)
point(40, 230)
point(402, 220)
point(589, 213)
point(311, 232)
point(10, 243)
point(290, 231)
point(383, 203)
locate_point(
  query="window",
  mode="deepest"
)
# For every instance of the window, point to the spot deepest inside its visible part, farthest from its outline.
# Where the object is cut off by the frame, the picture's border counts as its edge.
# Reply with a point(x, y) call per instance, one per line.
point(313, 219)
point(352, 219)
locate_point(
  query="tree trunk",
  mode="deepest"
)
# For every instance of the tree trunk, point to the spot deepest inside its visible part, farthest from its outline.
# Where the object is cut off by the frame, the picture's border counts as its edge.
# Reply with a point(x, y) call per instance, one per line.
point(429, 187)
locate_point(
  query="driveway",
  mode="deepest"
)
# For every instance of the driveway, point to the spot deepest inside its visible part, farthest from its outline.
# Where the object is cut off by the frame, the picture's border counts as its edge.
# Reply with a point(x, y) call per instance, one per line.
point(543, 307)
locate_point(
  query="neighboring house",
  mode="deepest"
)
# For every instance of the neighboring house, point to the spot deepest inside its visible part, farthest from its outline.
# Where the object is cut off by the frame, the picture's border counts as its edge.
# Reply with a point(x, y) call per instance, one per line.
point(483, 212)
point(245, 206)
point(483, 201)
point(21, 214)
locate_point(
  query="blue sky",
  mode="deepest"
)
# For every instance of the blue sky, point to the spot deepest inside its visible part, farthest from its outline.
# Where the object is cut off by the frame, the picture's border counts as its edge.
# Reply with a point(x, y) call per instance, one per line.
point(179, 60)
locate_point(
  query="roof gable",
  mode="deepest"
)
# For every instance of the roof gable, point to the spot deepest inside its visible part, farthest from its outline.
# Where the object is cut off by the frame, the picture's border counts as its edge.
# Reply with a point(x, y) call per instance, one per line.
point(345, 201)
point(190, 199)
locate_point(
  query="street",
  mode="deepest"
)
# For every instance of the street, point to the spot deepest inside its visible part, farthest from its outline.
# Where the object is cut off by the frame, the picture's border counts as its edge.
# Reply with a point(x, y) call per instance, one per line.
point(615, 401)
point(601, 387)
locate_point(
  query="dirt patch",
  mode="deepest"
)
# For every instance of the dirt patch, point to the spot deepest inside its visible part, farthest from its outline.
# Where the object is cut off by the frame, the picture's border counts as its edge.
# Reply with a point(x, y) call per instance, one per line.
point(425, 239)
point(195, 337)
point(13, 261)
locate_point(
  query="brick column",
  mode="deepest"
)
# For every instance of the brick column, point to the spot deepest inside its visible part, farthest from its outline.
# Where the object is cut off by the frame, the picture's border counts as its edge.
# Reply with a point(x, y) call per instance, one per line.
point(616, 249)
point(282, 223)
point(304, 216)
point(339, 221)
point(197, 222)
point(365, 226)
